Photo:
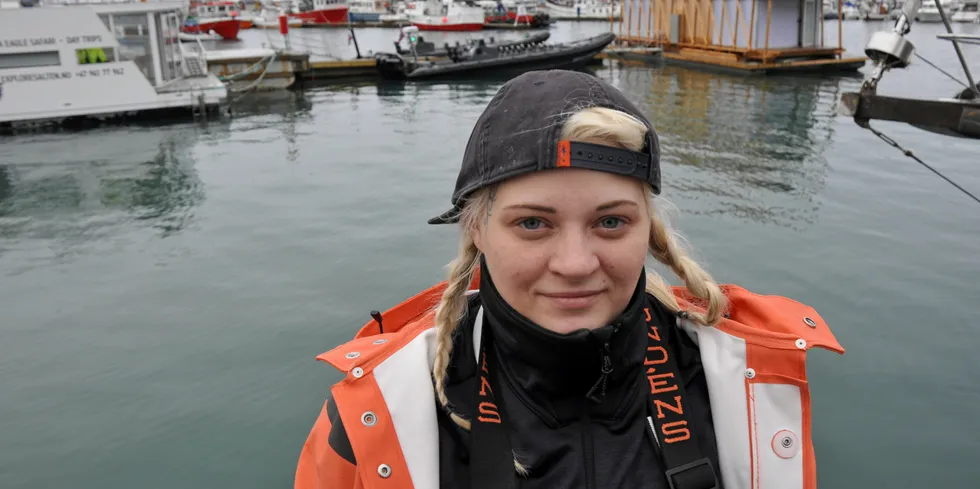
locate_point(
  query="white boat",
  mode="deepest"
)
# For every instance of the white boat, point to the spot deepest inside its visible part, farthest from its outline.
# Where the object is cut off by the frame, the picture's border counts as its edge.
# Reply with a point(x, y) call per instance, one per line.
point(851, 11)
point(829, 9)
point(969, 11)
point(397, 14)
point(61, 62)
point(509, 11)
point(366, 10)
point(448, 15)
point(929, 13)
point(582, 9)
point(268, 18)
point(874, 10)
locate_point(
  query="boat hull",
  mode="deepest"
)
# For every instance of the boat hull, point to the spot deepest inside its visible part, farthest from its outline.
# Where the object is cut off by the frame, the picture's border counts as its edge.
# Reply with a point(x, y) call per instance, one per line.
point(428, 49)
point(971, 17)
point(226, 28)
point(929, 17)
point(321, 17)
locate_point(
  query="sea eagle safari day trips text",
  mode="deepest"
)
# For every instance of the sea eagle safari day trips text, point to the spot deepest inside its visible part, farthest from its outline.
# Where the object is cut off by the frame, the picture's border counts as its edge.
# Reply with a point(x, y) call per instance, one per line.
point(87, 72)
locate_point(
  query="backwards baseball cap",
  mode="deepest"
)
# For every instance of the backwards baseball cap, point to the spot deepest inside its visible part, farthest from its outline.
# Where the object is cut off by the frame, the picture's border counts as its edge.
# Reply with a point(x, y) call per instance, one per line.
point(519, 131)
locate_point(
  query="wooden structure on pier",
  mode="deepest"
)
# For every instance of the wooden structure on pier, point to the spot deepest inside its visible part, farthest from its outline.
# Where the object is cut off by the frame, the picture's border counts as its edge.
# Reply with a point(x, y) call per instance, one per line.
point(755, 36)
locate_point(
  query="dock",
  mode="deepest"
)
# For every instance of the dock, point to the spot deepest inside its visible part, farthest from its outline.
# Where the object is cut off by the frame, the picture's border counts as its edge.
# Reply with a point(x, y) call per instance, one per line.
point(265, 69)
point(632, 55)
point(334, 69)
point(258, 68)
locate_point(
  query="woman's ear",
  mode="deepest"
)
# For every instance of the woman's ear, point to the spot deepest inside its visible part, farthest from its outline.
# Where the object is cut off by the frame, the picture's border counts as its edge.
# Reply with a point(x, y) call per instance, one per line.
point(477, 231)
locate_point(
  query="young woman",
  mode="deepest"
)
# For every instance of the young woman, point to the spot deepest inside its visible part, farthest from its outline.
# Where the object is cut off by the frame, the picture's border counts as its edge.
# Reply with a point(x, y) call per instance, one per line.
point(552, 357)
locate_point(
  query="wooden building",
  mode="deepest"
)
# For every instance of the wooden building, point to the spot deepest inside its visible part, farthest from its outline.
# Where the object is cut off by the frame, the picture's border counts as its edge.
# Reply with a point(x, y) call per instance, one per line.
point(757, 36)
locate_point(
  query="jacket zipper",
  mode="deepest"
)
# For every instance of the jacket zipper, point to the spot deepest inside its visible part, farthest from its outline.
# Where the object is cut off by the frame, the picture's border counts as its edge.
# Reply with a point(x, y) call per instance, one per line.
point(589, 449)
point(587, 442)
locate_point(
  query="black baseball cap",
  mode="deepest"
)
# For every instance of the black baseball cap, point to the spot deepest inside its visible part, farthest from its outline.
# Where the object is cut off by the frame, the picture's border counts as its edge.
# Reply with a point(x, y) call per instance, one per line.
point(519, 132)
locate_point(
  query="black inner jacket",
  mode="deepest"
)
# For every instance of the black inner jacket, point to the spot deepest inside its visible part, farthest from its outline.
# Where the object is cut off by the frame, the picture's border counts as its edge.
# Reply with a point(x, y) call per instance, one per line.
point(565, 439)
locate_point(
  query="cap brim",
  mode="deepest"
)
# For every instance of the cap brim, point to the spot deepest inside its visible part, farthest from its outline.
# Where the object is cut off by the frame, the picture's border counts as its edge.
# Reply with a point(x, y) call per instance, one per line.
point(449, 217)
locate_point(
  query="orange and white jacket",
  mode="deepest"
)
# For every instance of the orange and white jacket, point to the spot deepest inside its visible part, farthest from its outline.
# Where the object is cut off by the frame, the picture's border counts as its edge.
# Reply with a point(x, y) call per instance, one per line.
point(754, 363)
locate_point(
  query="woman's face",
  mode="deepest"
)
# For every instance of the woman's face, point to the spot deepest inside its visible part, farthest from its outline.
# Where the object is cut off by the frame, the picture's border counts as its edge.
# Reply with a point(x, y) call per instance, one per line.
point(566, 247)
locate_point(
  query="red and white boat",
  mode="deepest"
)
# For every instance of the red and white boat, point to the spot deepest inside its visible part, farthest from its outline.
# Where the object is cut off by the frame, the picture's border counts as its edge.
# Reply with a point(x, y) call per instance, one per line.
point(319, 12)
point(450, 15)
point(219, 17)
point(509, 11)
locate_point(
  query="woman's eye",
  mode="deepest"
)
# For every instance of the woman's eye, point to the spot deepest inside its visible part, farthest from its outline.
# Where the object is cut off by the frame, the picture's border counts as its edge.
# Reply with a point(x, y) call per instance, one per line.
point(610, 222)
point(531, 223)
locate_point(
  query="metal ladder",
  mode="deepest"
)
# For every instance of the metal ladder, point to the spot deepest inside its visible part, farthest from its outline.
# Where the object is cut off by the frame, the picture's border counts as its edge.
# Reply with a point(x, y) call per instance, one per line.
point(195, 65)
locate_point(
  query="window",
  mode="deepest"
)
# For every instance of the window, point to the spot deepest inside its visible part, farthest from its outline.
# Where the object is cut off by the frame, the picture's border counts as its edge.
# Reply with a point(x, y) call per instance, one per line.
point(90, 55)
point(133, 33)
point(29, 60)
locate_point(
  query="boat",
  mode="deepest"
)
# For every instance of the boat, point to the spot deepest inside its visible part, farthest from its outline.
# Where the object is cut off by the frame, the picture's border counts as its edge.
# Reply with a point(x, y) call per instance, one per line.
point(829, 10)
point(211, 36)
point(872, 10)
point(429, 49)
point(969, 11)
point(319, 12)
point(929, 12)
point(513, 12)
point(583, 9)
point(219, 17)
point(479, 58)
point(851, 11)
point(268, 18)
point(82, 62)
point(448, 15)
point(366, 10)
point(956, 116)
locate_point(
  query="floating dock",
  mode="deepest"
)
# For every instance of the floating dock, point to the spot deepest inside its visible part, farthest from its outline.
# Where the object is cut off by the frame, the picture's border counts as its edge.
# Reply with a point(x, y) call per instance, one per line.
point(632, 55)
point(261, 69)
point(334, 69)
point(265, 69)
point(743, 36)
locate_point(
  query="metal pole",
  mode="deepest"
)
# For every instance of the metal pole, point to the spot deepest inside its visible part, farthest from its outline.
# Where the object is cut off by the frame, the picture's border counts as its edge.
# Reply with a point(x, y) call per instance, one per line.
point(959, 53)
point(354, 38)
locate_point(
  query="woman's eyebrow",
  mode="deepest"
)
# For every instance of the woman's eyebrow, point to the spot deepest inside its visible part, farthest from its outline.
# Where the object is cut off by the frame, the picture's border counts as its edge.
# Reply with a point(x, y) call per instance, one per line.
point(615, 203)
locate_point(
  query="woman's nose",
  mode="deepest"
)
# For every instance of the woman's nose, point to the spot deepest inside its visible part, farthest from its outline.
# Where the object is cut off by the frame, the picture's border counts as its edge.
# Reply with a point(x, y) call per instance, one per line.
point(573, 256)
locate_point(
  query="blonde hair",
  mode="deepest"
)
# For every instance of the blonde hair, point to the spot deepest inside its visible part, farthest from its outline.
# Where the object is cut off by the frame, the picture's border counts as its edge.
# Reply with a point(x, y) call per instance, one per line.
point(597, 125)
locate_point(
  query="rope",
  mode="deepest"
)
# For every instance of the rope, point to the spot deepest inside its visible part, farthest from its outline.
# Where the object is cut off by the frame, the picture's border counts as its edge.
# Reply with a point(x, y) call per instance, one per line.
point(251, 69)
point(909, 153)
point(941, 70)
point(246, 90)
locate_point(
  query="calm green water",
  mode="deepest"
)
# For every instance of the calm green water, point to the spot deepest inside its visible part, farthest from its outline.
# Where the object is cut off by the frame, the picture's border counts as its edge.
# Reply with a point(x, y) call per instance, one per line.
point(164, 290)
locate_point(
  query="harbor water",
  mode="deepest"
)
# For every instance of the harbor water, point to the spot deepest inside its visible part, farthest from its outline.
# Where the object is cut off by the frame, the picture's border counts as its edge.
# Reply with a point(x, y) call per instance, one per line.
point(164, 289)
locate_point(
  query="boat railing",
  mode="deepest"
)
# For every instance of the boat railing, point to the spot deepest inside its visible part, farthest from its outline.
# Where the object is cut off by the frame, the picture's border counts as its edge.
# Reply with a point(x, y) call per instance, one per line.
point(964, 38)
point(194, 60)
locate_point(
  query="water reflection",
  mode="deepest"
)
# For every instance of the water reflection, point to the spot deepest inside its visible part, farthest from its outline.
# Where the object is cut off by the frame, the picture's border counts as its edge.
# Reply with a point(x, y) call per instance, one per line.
point(78, 193)
point(751, 147)
point(410, 100)
point(281, 112)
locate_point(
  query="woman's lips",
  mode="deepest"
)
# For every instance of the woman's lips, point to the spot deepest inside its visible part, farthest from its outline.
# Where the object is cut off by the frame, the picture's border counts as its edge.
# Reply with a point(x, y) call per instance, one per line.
point(574, 299)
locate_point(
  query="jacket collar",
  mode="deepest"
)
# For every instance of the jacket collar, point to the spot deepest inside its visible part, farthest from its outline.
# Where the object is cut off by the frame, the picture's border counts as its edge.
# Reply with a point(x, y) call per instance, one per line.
point(556, 372)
